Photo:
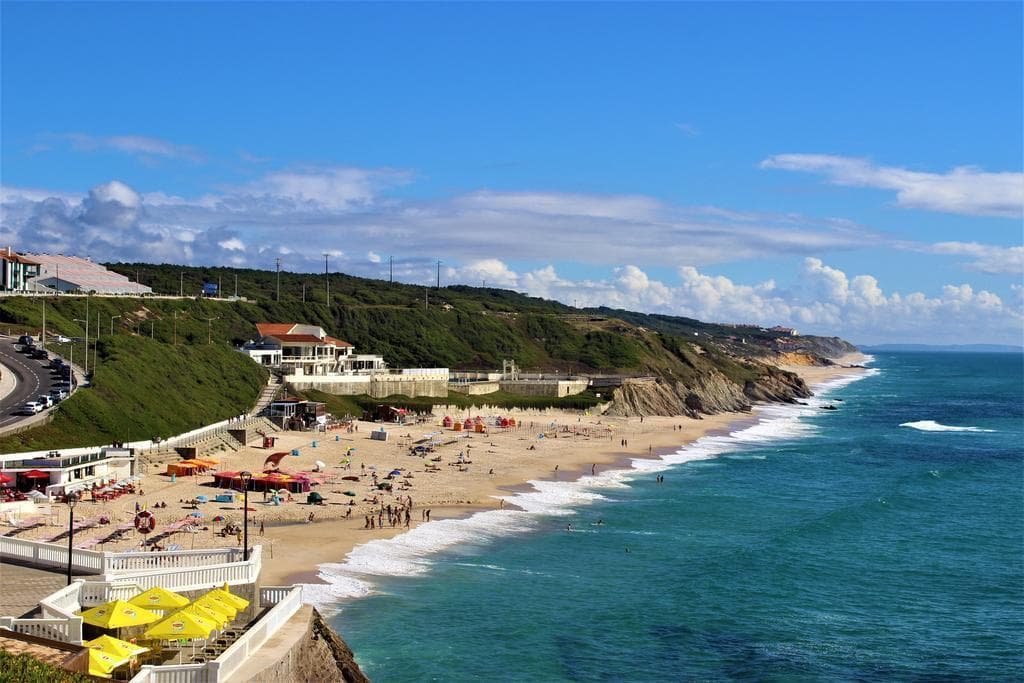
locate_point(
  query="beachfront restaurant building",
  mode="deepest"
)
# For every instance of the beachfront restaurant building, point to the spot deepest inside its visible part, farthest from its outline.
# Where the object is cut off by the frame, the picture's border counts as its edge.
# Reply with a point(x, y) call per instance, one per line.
point(56, 474)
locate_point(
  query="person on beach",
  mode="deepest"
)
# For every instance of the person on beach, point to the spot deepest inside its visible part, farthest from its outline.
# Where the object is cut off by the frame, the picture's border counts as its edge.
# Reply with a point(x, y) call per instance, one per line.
point(593, 468)
point(428, 515)
point(261, 527)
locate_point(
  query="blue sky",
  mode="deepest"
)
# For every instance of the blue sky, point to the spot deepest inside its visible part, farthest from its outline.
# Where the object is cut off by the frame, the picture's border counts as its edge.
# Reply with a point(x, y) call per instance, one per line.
point(843, 168)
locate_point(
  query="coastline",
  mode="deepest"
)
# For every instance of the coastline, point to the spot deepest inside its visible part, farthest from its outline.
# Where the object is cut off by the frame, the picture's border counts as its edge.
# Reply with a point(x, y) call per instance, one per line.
point(297, 554)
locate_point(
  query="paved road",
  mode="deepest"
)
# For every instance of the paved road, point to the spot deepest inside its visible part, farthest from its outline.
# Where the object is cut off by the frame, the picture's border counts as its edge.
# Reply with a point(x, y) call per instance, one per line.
point(33, 380)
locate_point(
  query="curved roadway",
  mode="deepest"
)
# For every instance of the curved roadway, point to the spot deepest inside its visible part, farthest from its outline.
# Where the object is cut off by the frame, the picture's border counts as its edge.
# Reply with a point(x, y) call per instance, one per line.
point(33, 378)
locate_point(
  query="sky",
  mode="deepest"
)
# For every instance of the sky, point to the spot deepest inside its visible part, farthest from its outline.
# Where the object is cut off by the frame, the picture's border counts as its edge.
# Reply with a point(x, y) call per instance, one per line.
point(850, 169)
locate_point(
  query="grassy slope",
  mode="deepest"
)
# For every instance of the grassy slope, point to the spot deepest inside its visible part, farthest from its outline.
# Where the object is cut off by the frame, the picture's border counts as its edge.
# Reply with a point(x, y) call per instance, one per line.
point(24, 669)
point(143, 388)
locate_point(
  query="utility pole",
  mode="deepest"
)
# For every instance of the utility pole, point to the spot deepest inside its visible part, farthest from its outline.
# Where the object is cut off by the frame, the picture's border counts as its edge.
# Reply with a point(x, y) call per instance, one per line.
point(327, 277)
point(220, 292)
point(426, 297)
point(209, 328)
point(58, 278)
point(391, 268)
point(303, 291)
point(439, 275)
point(42, 337)
point(96, 349)
point(278, 262)
point(152, 325)
point(181, 284)
point(236, 285)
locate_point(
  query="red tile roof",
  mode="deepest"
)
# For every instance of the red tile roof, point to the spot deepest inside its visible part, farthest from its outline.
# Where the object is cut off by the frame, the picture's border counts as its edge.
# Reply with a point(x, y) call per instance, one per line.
point(313, 339)
point(266, 329)
point(337, 342)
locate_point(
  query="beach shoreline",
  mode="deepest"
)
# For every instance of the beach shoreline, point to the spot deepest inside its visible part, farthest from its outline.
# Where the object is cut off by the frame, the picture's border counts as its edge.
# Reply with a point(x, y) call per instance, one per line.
point(468, 474)
point(308, 546)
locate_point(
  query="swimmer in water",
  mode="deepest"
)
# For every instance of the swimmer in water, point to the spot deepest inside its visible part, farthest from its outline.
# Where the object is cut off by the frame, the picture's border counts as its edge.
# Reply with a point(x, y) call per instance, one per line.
point(568, 527)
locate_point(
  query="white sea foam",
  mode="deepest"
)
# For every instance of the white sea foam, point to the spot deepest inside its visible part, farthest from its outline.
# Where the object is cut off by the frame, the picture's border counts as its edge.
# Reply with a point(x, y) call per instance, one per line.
point(410, 554)
point(932, 426)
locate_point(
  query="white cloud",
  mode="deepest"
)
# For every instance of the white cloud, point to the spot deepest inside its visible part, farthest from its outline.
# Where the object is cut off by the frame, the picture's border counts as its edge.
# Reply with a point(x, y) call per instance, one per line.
point(986, 258)
point(822, 300)
point(372, 257)
point(964, 190)
point(688, 128)
point(138, 145)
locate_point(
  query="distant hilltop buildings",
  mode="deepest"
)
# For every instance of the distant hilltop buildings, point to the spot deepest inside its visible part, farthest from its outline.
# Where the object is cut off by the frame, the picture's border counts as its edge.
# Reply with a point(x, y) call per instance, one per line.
point(52, 274)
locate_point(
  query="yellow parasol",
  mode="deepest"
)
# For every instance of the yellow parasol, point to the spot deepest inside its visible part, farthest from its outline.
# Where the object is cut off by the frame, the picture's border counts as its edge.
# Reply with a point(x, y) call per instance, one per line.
point(236, 601)
point(208, 613)
point(181, 624)
point(102, 663)
point(159, 598)
point(118, 614)
point(218, 605)
point(115, 647)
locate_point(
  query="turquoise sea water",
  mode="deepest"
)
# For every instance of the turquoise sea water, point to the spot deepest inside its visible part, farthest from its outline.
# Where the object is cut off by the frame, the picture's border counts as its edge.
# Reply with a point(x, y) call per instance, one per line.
point(880, 541)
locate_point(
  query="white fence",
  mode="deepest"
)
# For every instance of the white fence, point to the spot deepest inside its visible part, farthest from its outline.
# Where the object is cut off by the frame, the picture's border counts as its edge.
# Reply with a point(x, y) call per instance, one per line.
point(107, 563)
point(232, 659)
point(64, 630)
point(51, 554)
point(235, 656)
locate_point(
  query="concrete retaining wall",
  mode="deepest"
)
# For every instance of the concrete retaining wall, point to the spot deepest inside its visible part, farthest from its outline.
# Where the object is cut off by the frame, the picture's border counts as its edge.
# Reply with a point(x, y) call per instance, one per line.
point(378, 386)
point(474, 388)
point(544, 387)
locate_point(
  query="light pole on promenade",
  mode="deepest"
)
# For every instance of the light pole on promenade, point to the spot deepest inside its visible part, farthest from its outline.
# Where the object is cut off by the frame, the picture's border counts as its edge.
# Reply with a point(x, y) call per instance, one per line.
point(246, 476)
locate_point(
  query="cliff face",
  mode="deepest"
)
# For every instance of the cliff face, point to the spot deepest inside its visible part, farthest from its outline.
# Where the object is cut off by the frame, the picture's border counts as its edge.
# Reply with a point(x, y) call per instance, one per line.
point(327, 657)
point(707, 394)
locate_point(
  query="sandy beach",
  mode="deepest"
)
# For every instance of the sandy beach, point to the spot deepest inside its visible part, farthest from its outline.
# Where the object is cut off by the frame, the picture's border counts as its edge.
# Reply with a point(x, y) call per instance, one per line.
point(543, 445)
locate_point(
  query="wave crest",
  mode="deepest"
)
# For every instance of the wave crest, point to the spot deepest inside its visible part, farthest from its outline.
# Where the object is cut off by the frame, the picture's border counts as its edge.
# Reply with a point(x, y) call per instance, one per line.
point(933, 426)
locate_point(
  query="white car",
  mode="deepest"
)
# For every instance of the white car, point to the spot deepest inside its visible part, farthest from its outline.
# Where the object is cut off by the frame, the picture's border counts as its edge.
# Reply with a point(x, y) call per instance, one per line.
point(46, 401)
point(61, 339)
point(31, 408)
point(58, 394)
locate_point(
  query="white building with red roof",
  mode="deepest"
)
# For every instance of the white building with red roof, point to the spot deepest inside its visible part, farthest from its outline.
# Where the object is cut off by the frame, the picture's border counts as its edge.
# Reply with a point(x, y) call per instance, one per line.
point(307, 350)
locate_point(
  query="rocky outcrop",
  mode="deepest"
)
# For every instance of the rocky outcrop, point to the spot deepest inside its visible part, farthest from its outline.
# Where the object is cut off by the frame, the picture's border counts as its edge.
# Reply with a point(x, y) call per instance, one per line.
point(709, 393)
point(326, 657)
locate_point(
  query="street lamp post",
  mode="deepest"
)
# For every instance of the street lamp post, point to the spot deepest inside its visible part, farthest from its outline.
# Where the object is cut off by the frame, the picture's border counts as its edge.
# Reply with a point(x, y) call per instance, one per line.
point(71, 500)
point(86, 321)
point(246, 476)
point(209, 328)
point(112, 318)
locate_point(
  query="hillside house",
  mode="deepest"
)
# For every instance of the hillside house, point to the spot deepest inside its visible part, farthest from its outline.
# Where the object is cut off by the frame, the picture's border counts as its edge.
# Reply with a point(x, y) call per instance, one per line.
point(17, 271)
point(307, 350)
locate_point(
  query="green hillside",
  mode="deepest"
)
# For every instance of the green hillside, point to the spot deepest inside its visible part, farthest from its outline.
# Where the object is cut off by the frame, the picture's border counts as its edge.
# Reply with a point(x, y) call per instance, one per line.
point(167, 365)
point(143, 388)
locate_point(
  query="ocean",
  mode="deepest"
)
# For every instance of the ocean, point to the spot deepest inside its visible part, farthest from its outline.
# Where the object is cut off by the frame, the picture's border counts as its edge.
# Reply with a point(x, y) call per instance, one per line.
point(883, 540)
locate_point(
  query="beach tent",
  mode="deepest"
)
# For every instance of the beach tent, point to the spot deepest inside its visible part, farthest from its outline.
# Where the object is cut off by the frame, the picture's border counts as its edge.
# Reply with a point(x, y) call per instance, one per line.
point(314, 497)
point(183, 468)
point(118, 614)
point(159, 598)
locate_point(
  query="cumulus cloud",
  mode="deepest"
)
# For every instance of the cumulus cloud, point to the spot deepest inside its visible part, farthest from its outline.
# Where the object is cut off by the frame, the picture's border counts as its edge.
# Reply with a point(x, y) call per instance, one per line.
point(311, 210)
point(963, 190)
point(822, 299)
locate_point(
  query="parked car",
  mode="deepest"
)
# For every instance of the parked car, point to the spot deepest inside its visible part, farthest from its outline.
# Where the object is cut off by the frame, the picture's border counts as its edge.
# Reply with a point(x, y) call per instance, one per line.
point(45, 400)
point(61, 339)
point(27, 348)
point(64, 384)
point(25, 340)
point(39, 353)
point(56, 362)
point(58, 394)
point(31, 408)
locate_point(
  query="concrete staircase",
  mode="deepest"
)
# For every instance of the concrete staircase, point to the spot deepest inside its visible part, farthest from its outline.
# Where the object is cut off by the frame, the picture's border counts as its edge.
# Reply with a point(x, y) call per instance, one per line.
point(269, 393)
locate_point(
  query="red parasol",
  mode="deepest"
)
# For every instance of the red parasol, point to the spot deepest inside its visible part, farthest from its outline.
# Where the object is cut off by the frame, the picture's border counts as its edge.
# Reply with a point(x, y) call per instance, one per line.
point(4, 479)
point(35, 474)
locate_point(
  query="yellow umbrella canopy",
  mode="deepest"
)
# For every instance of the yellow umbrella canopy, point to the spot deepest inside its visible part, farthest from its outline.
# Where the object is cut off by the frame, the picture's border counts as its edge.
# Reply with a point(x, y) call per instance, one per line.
point(181, 624)
point(218, 605)
point(159, 598)
point(236, 601)
point(218, 618)
point(118, 614)
point(115, 647)
point(102, 663)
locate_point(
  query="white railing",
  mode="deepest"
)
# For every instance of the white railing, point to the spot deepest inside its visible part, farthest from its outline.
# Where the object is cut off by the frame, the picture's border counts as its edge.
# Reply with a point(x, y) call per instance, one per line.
point(65, 600)
point(64, 630)
point(196, 577)
point(271, 595)
point(95, 593)
point(231, 659)
point(176, 559)
point(37, 552)
point(179, 673)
